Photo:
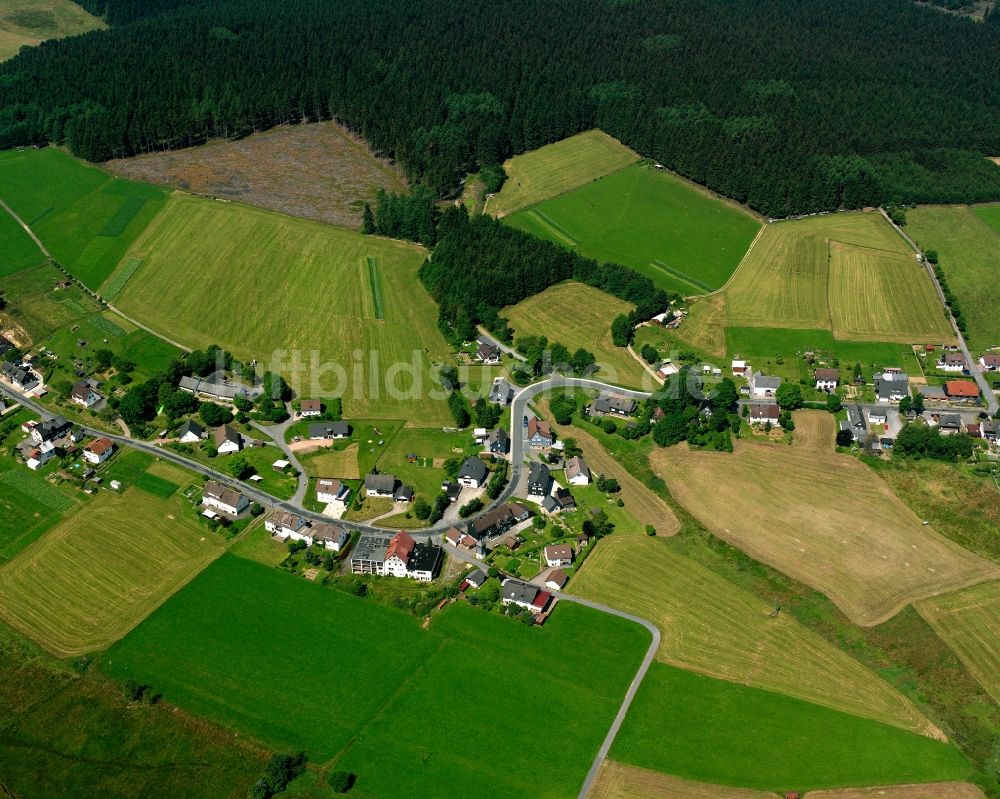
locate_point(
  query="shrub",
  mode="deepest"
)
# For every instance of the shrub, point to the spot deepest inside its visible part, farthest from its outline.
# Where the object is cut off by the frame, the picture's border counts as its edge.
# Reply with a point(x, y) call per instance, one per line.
point(340, 781)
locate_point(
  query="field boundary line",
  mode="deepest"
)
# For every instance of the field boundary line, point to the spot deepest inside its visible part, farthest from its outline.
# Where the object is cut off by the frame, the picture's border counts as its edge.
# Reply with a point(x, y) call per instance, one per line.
point(739, 266)
point(531, 206)
point(375, 287)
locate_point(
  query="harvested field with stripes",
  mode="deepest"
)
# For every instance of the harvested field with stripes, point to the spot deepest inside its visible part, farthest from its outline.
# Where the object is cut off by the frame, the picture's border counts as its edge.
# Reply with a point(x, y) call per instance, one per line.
point(618, 781)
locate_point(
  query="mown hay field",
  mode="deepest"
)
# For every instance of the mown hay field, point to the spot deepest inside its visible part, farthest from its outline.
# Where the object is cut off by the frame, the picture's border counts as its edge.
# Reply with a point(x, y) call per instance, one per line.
point(618, 781)
point(103, 569)
point(680, 236)
point(713, 627)
point(932, 790)
point(968, 244)
point(969, 622)
point(823, 518)
point(269, 286)
point(557, 168)
point(226, 652)
point(709, 730)
point(25, 23)
point(577, 315)
point(84, 217)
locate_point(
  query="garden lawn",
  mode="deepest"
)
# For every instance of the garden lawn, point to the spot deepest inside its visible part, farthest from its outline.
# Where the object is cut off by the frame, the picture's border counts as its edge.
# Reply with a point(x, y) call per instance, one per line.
point(700, 728)
point(225, 647)
point(427, 445)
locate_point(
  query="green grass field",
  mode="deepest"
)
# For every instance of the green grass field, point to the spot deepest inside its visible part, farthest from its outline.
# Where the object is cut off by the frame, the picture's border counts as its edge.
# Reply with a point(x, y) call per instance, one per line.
point(968, 244)
point(705, 729)
point(350, 680)
point(85, 218)
point(37, 309)
point(428, 445)
point(558, 168)
point(29, 506)
point(25, 23)
point(269, 286)
point(17, 250)
point(680, 236)
point(101, 570)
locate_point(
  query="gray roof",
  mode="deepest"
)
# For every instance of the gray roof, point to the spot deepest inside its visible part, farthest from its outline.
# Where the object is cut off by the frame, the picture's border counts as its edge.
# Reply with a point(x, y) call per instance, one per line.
point(190, 427)
point(501, 390)
point(383, 483)
point(219, 388)
point(933, 392)
point(761, 380)
point(950, 420)
point(371, 546)
point(473, 468)
point(550, 504)
point(538, 473)
point(329, 430)
point(614, 402)
point(477, 578)
point(516, 591)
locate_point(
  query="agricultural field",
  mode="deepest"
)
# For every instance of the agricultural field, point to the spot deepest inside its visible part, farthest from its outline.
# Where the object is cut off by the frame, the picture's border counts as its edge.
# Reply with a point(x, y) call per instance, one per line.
point(577, 315)
point(969, 622)
point(713, 627)
point(226, 653)
point(798, 509)
point(85, 218)
point(618, 781)
point(100, 571)
point(38, 305)
point(680, 236)
point(17, 250)
point(70, 734)
point(296, 296)
point(767, 741)
point(934, 790)
point(318, 171)
point(25, 23)
point(968, 244)
point(558, 168)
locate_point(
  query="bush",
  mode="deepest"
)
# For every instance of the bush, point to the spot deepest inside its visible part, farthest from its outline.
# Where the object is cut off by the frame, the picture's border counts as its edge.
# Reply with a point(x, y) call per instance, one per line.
point(340, 781)
point(473, 506)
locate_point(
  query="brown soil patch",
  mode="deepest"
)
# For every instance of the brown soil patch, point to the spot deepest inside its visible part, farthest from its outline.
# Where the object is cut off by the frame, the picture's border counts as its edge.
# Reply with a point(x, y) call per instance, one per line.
point(316, 171)
point(930, 790)
point(616, 781)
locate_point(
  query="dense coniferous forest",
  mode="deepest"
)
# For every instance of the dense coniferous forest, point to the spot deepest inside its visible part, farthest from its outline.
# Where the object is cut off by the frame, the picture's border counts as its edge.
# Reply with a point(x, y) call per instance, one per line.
point(480, 265)
point(787, 105)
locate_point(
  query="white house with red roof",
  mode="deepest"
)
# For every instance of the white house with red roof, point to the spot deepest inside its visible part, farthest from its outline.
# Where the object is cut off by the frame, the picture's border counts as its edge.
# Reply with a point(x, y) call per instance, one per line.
point(98, 450)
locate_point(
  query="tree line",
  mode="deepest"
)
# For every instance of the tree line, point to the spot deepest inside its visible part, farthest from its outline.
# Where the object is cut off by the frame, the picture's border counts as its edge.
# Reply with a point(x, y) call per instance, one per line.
point(788, 105)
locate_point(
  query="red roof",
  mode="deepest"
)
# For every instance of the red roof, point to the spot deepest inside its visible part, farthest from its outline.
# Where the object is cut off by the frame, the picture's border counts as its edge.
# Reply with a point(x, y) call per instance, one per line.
point(99, 446)
point(991, 359)
point(961, 388)
point(401, 546)
point(541, 600)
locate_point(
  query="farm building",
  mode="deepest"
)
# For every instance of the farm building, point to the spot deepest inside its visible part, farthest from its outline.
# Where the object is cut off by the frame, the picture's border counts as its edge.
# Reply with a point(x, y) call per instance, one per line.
point(216, 387)
point(932, 393)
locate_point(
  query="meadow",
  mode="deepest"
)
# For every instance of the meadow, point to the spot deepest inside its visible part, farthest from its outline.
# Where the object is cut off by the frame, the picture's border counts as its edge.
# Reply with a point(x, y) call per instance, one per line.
point(821, 518)
point(557, 168)
point(713, 627)
point(680, 236)
point(100, 571)
point(18, 250)
point(36, 309)
point(967, 241)
point(618, 781)
point(25, 23)
point(268, 286)
point(577, 315)
point(83, 216)
point(429, 445)
point(969, 622)
point(768, 741)
point(29, 506)
point(233, 655)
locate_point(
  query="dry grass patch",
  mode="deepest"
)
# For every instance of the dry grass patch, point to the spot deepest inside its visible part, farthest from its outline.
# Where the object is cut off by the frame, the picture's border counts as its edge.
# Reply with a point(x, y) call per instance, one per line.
point(618, 781)
point(929, 790)
point(822, 518)
point(715, 628)
point(577, 315)
point(342, 463)
point(101, 571)
point(705, 325)
point(30, 22)
point(969, 622)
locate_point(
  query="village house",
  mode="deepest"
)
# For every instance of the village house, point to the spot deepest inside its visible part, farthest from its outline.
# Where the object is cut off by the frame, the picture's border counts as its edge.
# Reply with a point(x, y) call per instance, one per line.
point(961, 390)
point(457, 538)
point(477, 578)
point(577, 472)
point(396, 556)
point(498, 442)
point(50, 430)
point(487, 352)
point(472, 473)
point(556, 580)
point(740, 368)
point(559, 501)
point(83, 394)
point(21, 377)
point(608, 404)
point(320, 431)
point(827, 379)
point(330, 536)
point(310, 407)
point(498, 521)
point(38, 456)
point(763, 412)
point(228, 440)
point(403, 494)
point(949, 424)
point(380, 485)
point(932, 393)
point(451, 490)
point(763, 386)
point(331, 491)
point(539, 434)
point(990, 361)
point(523, 595)
point(98, 450)
point(990, 429)
point(228, 500)
point(878, 415)
point(558, 555)
point(891, 386)
point(539, 481)
point(501, 392)
point(190, 433)
point(288, 525)
point(951, 362)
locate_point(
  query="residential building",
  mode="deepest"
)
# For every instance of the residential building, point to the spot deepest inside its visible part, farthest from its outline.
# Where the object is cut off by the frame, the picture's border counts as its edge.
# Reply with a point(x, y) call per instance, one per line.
point(487, 351)
point(330, 536)
point(892, 386)
point(40, 455)
point(380, 485)
point(577, 472)
point(951, 362)
point(501, 392)
point(990, 429)
point(539, 481)
point(319, 431)
point(523, 595)
point(310, 407)
point(932, 393)
point(827, 379)
point(331, 491)
point(763, 386)
point(559, 501)
point(227, 500)
point(228, 440)
point(949, 424)
point(396, 556)
point(98, 450)
point(878, 415)
point(961, 390)
point(472, 473)
point(403, 494)
point(19, 376)
point(477, 578)
point(763, 412)
point(498, 442)
point(83, 394)
point(50, 430)
point(608, 403)
point(558, 555)
point(990, 361)
point(539, 434)
point(190, 433)
point(497, 521)
point(740, 368)
point(288, 525)
point(556, 580)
